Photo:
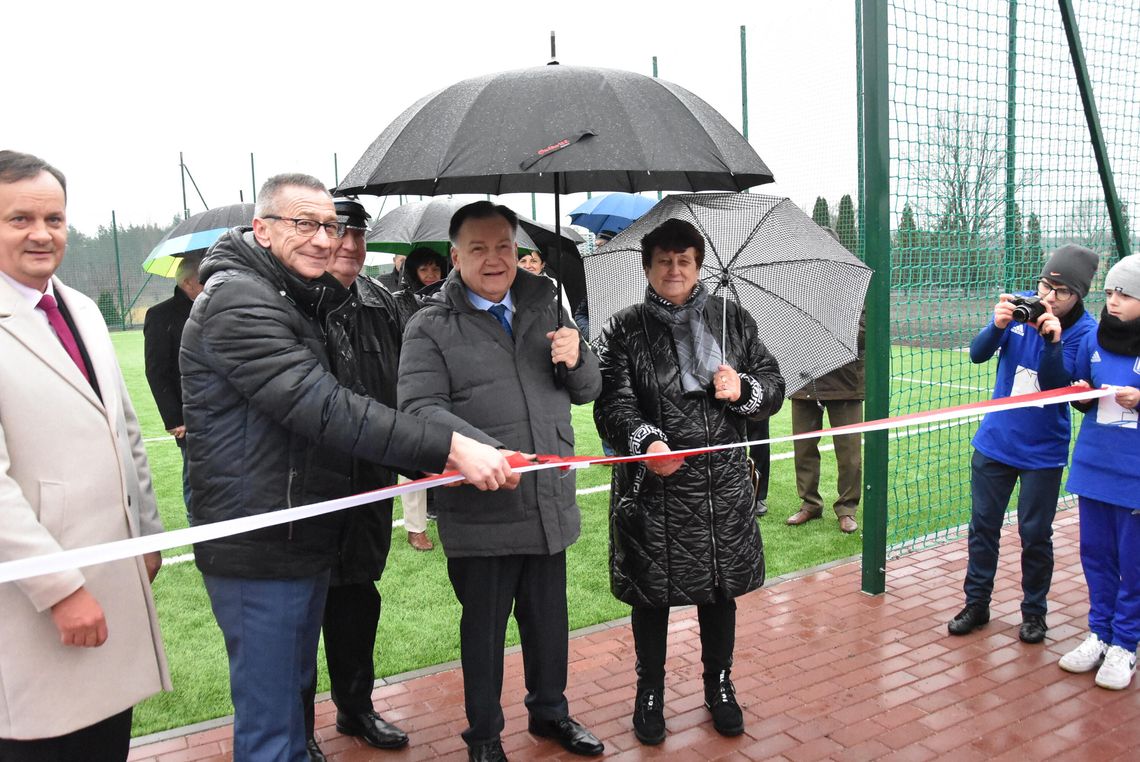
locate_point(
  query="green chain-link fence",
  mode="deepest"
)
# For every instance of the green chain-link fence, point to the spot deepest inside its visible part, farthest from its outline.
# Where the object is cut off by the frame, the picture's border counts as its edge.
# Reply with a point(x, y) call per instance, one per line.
point(991, 168)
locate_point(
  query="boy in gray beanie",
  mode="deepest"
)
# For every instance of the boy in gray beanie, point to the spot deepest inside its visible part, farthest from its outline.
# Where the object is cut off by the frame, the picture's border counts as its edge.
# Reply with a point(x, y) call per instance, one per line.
point(1108, 486)
point(1029, 445)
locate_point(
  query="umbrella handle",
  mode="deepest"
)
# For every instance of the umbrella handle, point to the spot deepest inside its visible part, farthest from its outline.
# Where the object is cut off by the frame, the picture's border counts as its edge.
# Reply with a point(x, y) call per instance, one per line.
point(560, 373)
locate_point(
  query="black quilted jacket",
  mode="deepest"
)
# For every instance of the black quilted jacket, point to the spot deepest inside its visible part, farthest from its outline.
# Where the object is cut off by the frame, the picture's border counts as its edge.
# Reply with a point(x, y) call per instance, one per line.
point(679, 539)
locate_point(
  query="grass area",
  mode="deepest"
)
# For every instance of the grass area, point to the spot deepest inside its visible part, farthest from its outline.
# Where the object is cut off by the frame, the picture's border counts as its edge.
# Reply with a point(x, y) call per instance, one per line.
point(419, 626)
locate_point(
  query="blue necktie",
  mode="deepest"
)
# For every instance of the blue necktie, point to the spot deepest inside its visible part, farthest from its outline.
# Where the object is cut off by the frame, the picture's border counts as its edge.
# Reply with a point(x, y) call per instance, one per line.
point(500, 313)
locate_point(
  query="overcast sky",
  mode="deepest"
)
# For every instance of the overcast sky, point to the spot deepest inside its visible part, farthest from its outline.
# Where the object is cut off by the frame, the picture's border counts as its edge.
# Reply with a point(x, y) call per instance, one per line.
point(111, 92)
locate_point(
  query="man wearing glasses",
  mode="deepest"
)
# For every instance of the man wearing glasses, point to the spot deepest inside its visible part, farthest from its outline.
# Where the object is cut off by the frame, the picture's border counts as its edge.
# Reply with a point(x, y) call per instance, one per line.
point(270, 426)
point(1030, 445)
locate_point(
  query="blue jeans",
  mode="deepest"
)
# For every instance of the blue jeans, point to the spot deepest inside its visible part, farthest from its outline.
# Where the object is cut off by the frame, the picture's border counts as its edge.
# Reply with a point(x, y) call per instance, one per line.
point(991, 484)
point(271, 627)
point(1110, 537)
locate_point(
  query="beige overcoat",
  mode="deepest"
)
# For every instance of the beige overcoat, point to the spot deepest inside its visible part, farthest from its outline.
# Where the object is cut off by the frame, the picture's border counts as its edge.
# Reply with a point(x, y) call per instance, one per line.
point(73, 472)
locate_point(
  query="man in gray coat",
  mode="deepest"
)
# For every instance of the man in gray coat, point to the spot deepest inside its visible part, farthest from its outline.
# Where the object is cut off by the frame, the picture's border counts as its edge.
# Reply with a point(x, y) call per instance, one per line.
point(479, 358)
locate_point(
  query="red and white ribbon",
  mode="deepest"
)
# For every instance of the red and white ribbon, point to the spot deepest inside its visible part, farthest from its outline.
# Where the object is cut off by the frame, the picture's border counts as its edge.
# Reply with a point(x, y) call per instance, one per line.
point(50, 563)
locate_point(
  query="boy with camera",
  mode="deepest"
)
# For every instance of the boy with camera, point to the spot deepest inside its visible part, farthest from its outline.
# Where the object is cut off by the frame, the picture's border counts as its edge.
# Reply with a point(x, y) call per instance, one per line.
point(1038, 334)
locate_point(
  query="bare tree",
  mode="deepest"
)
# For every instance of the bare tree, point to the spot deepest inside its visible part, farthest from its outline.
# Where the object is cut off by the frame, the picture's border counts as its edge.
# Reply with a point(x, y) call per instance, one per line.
point(965, 174)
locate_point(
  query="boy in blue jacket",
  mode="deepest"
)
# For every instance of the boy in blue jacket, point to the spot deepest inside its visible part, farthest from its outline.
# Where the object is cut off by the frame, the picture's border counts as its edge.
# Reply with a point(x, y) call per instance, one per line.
point(1030, 445)
point(1106, 475)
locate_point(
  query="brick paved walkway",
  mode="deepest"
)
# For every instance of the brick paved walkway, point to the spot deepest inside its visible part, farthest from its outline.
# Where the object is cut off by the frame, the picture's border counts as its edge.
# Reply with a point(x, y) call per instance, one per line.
point(823, 671)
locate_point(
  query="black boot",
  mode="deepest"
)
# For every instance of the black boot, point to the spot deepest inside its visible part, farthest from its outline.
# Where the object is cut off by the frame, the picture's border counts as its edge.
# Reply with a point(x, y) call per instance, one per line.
point(649, 716)
point(720, 700)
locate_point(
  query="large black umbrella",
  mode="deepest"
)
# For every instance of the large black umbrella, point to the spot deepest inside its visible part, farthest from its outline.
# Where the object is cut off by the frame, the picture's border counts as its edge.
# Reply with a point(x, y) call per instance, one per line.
point(600, 129)
point(557, 129)
point(804, 289)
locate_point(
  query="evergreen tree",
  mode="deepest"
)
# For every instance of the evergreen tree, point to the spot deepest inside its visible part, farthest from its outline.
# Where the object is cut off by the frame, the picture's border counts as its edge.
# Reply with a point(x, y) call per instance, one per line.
point(845, 224)
point(820, 213)
point(905, 254)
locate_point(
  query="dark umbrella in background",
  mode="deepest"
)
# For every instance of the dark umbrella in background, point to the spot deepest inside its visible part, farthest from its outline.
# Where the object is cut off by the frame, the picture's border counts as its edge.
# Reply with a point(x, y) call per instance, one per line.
point(557, 129)
point(804, 289)
point(193, 236)
point(422, 223)
point(561, 256)
point(613, 212)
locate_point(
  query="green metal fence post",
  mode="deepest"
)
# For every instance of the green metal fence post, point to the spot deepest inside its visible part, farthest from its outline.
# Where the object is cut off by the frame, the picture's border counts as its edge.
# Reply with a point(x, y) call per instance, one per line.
point(744, 81)
point(861, 221)
point(118, 269)
point(655, 77)
point(877, 245)
point(182, 171)
point(1111, 199)
point(1011, 254)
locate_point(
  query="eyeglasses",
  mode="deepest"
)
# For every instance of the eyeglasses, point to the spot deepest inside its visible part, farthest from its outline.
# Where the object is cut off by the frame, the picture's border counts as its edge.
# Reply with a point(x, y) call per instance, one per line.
point(1062, 294)
point(309, 228)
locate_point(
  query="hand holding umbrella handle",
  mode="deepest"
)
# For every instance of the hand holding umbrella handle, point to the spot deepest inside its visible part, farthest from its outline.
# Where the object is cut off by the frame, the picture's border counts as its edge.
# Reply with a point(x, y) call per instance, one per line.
point(563, 353)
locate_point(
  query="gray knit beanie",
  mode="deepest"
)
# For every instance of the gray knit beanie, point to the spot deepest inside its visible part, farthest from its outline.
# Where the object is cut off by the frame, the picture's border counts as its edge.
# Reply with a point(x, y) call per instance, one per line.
point(1073, 266)
point(1125, 277)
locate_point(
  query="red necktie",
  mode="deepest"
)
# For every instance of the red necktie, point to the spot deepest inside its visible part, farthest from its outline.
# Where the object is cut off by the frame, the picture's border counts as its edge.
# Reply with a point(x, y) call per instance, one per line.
point(66, 337)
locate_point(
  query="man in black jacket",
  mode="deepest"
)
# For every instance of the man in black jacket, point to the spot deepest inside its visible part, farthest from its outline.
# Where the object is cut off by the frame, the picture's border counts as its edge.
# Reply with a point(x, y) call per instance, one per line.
point(479, 358)
point(162, 338)
point(270, 426)
point(367, 324)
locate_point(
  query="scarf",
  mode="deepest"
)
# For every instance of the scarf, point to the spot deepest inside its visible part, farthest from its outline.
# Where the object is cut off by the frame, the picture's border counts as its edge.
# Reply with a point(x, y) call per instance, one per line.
point(1121, 337)
point(698, 353)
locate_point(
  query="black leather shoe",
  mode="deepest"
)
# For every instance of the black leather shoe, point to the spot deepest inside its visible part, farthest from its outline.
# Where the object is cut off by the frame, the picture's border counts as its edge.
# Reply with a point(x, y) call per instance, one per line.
point(573, 737)
point(969, 619)
point(487, 752)
point(649, 716)
point(315, 753)
point(1033, 628)
point(720, 700)
point(761, 507)
point(372, 728)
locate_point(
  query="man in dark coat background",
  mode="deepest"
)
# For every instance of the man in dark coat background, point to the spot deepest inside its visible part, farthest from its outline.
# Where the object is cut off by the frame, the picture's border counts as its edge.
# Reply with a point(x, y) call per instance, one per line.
point(840, 393)
point(162, 338)
point(367, 326)
point(479, 358)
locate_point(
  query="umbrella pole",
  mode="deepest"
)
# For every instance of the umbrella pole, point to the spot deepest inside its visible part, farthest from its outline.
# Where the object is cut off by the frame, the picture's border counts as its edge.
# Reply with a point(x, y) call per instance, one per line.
point(560, 369)
point(724, 320)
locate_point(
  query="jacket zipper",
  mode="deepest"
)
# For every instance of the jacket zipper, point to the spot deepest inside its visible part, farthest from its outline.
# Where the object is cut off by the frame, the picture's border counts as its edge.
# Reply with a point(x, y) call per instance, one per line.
point(289, 498)
point(709, 492)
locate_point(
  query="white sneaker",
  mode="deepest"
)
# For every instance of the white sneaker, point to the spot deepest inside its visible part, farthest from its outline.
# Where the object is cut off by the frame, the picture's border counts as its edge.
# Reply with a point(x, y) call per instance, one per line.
point(1116, 672)
point(1085, 657)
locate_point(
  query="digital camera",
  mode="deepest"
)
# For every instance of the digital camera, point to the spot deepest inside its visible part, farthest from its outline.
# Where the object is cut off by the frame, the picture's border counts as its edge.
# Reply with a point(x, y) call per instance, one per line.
point(1026, 309)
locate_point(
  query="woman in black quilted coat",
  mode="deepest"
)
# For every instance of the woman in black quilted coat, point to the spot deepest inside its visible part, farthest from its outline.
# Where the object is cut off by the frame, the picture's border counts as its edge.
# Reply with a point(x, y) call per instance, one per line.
point(682, 531)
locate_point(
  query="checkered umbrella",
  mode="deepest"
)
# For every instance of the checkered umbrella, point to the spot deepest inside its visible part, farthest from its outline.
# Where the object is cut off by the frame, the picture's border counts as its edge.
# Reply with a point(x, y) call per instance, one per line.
point(803, 288)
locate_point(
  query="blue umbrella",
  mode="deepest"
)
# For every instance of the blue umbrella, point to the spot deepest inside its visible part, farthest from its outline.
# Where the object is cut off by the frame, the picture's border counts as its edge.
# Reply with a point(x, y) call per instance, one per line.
point(193, 236)
point(613, 211)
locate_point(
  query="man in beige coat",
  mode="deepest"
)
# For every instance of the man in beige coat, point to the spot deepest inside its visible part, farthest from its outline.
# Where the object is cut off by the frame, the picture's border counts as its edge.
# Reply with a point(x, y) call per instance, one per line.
point(77, 648)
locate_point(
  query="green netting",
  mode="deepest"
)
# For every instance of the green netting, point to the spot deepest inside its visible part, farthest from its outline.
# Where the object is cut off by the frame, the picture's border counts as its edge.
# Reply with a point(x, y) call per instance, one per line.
point(992, 167)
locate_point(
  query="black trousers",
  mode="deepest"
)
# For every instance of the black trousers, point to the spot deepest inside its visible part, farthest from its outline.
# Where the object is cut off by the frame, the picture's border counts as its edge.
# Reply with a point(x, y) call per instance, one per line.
point(352, 614)
point(487, 588)
point(108, 740)
point(650, 630)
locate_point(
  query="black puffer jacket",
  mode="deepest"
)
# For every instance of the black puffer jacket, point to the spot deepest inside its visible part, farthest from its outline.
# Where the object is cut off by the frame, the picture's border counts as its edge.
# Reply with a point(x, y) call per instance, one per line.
point(677, 540)
point(363, 334)
point(266, 411)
